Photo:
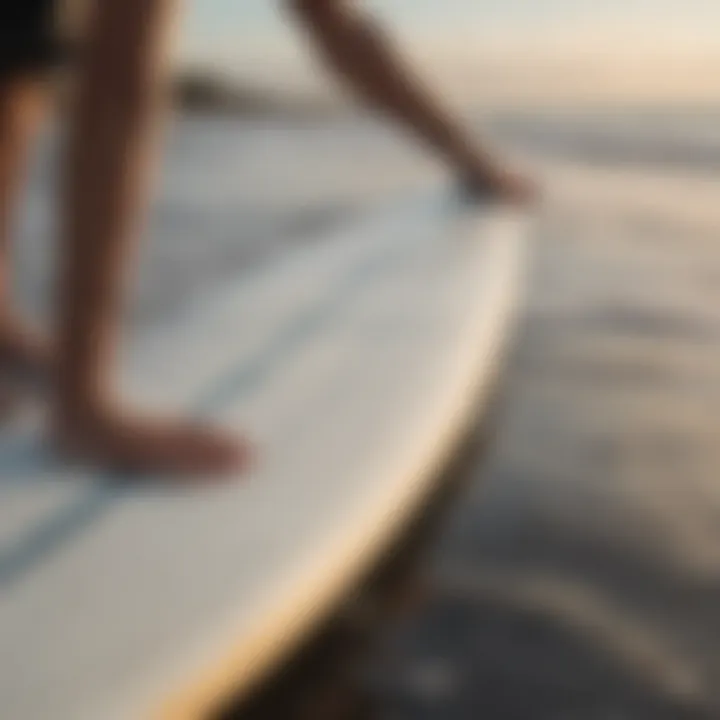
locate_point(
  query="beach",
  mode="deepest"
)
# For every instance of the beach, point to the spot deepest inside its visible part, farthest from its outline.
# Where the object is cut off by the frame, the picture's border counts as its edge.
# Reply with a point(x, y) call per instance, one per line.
point(577, 574)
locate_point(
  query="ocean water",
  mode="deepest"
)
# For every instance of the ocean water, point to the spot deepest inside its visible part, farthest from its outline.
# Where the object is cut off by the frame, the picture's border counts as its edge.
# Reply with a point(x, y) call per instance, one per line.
point(577, 575)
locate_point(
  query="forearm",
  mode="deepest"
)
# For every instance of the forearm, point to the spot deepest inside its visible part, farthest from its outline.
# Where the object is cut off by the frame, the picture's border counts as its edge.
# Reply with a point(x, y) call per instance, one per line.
point(354, 47)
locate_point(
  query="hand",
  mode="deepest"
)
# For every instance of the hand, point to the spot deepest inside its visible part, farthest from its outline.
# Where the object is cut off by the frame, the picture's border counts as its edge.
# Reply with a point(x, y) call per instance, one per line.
point(484, 182)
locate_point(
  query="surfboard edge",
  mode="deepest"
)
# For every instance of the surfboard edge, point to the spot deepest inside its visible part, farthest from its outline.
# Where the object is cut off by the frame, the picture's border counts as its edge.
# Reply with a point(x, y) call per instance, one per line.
point(250, 661)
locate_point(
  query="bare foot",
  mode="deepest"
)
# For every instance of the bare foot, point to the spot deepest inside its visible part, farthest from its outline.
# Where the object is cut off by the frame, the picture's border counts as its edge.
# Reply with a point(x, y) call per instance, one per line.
point(501, 185)
point(140, 445)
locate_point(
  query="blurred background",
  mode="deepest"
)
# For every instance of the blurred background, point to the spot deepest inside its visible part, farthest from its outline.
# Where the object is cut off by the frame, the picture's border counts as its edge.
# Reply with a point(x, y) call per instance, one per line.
point(576, 574)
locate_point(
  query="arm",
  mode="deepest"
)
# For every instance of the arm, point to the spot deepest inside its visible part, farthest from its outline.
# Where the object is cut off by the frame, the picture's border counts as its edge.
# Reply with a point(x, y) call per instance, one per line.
point(355, 49)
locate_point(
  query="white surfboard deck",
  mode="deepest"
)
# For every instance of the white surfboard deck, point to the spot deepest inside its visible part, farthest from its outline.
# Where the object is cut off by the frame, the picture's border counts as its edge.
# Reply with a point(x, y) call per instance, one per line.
point(354, 366)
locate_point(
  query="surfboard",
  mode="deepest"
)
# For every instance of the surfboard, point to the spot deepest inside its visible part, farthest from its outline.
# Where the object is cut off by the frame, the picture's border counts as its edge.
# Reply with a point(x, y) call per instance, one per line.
point(355, 366)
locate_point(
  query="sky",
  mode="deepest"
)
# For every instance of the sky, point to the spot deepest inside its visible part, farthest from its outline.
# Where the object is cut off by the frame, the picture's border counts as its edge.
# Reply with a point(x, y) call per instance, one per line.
point(209, 21)
point(660, 43)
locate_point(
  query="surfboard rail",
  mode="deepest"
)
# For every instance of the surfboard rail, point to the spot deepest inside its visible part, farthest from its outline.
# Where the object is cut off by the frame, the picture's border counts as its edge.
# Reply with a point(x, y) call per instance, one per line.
point(166, 604)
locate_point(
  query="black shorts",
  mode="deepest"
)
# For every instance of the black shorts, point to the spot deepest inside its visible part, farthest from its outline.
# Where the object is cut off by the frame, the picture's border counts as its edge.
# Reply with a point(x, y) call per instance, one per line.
point(29, 41)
